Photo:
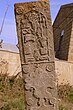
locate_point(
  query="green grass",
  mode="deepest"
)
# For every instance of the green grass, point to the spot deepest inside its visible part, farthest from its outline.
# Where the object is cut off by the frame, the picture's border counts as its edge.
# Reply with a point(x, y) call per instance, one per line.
point(14, 104)
point(70, 96)
point(62, 107)
point(11, 90)
point(17, 103)
point(65, 92)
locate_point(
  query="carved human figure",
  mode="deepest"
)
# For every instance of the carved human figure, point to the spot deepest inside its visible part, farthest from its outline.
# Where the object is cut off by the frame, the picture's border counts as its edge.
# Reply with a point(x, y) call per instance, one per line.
point(36, 50)
point(33, 32)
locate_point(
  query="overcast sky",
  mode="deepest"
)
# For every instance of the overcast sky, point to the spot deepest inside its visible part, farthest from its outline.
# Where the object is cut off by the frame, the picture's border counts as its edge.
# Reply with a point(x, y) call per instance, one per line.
point(9, 29)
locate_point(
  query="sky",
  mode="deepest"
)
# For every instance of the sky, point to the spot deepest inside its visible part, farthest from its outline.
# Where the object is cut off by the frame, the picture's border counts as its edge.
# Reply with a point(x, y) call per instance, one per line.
point(8, 33)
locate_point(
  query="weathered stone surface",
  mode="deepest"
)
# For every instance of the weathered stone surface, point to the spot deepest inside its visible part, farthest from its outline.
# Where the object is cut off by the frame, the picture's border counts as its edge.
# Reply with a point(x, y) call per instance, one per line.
point(37, 54)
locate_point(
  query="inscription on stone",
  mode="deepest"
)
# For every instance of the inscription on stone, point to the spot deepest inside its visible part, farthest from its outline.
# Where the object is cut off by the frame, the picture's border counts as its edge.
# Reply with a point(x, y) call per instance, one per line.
point(35, 38)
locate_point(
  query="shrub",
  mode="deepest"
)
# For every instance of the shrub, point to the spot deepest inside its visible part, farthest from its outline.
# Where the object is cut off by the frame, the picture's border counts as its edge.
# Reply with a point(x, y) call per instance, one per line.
point(61, 107)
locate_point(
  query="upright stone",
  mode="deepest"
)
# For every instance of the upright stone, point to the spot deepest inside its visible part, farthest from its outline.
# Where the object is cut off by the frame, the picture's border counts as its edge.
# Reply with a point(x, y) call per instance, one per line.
point(35, 38)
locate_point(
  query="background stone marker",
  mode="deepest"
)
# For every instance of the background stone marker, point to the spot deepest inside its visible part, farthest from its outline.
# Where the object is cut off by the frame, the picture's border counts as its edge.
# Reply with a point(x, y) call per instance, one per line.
point(35, 38)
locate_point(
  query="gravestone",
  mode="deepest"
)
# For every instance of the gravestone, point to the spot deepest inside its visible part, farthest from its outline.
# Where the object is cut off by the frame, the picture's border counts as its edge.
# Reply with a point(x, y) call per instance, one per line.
point(35, 37)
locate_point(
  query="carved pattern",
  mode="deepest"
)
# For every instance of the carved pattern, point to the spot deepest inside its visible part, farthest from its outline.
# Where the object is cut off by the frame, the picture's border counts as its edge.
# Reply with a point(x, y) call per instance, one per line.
point(19, 10)
point(40, 87)
point(36, 49)
point(34, 28)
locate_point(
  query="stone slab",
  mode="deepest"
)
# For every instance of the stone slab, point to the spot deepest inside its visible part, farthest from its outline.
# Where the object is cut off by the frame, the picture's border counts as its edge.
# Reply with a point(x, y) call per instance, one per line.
point(34, 29)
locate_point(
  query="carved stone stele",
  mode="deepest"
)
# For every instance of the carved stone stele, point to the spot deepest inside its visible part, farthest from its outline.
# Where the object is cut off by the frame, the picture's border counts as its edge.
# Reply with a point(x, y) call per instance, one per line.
point(35, 39)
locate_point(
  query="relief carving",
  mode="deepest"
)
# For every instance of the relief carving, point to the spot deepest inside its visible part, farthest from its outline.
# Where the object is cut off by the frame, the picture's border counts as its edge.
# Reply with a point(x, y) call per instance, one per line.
point(19, 10)
point(38, 45)
point(50, 67)
point(36, 49)
point(33, 84)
